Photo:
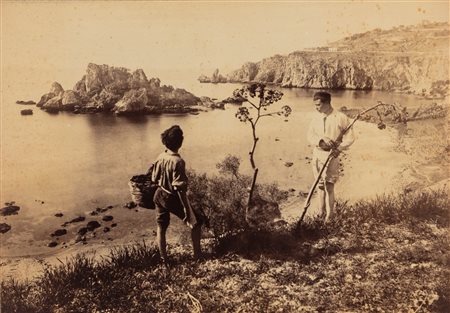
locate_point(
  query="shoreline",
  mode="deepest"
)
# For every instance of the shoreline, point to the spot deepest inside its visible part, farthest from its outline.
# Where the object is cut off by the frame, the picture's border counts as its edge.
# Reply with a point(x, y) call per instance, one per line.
point(375, 173)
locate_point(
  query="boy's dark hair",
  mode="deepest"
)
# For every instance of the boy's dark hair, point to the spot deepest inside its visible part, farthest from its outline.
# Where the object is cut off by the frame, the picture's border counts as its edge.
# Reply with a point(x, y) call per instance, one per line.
point(323, 96)
point(172, 137)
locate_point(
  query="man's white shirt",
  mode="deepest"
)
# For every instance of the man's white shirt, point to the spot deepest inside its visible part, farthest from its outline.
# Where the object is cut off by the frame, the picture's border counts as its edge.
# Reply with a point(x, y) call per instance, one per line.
point(331, 125)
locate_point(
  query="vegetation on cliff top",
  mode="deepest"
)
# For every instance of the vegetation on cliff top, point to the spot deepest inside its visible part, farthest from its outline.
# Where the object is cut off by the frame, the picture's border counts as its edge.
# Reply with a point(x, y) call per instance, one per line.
point(425, 37)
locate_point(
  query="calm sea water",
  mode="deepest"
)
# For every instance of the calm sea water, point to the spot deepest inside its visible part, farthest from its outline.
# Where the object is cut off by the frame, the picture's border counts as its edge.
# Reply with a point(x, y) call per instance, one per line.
point(76, 162)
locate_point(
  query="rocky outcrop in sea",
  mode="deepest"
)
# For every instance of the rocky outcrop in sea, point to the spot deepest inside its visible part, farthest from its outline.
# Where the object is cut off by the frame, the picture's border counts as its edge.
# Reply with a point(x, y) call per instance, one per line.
point(215, 78)
point(116, 89)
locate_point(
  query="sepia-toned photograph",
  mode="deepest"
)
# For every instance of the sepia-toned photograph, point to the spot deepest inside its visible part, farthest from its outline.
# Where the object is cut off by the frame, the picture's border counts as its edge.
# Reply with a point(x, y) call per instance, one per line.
point(224, 156)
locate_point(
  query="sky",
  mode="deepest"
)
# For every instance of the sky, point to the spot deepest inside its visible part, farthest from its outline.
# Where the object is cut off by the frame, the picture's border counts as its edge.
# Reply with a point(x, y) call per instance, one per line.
point(51, 40)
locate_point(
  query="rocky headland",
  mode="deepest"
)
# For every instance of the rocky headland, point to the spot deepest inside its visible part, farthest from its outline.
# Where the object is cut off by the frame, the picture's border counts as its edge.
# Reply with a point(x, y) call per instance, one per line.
point(410, 59)
point(116, 89)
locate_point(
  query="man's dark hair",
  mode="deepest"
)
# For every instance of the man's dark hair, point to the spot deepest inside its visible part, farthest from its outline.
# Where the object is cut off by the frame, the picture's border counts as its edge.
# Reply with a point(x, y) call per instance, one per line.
point(172, 137)
point(323, 96)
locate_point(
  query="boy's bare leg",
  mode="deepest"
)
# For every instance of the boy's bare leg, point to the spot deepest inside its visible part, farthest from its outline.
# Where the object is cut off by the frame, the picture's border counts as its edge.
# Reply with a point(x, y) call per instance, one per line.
point(329, 201)
point(322, 201)
point(161, 240)
point(196, 233)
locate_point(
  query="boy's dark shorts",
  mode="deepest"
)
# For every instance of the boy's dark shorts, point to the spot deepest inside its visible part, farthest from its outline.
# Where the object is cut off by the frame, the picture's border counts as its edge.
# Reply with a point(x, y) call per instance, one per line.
point(165, 204)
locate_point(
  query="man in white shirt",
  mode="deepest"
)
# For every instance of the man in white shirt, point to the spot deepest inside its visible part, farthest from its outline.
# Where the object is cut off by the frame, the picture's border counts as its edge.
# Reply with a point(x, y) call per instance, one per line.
point(323, 133)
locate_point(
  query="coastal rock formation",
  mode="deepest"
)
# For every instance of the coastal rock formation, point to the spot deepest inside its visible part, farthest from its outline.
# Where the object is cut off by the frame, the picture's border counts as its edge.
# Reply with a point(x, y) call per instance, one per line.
point(410, 59)
point(69, 100)
point(53, 105)
point(215, 78)
point(133, 101)
point(116, 89)
point(56, 89)
point(210, 103)
point(360, 71)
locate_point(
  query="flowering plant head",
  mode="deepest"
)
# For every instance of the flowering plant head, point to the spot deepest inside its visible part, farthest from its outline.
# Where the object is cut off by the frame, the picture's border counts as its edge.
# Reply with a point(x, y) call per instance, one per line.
point(285, 110)
point(243, 114)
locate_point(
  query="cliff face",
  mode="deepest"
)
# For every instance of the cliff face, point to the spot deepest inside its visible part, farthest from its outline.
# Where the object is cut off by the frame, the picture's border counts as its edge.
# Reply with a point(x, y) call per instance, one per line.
point(116, 89)
point(337, 70)
point(405, 58)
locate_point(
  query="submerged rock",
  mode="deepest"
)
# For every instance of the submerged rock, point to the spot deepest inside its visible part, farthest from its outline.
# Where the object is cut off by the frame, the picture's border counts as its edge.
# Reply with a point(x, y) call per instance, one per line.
point(92, 225)
point(59, 232)
point(30, 102)
point(75, 220)
point(130, 205)
point(82, 231)
point(10, 210)
point(26, 112)
point(107, 218)
point(4, 228)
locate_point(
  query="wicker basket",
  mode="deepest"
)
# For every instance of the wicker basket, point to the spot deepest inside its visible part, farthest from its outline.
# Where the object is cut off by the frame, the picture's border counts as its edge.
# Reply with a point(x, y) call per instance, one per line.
point(142, 190)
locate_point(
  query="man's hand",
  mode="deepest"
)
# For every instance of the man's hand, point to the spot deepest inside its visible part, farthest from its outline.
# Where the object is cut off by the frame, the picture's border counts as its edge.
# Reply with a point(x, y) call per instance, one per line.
point(326, 143)
point(335, 153)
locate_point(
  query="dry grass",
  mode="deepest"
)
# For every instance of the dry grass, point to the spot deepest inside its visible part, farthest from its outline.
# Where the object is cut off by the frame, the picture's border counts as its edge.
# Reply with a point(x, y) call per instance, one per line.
point(387, 255)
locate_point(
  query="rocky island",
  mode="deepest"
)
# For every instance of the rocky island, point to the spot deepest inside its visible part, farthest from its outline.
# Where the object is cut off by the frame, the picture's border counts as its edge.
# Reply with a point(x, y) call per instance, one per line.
point(410, 59)
point(116, 89)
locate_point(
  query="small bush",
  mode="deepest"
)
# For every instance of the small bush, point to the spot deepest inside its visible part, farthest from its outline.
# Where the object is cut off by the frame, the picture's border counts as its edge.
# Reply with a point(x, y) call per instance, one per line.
point(224, 199)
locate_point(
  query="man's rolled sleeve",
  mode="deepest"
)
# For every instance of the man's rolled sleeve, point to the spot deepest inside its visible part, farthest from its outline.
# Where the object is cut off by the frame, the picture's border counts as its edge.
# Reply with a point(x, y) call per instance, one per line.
point(349, 136)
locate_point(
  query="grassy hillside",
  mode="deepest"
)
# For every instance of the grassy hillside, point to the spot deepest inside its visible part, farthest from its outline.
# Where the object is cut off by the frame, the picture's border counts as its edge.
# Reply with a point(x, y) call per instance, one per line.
point(425, 37)
point(391, 254)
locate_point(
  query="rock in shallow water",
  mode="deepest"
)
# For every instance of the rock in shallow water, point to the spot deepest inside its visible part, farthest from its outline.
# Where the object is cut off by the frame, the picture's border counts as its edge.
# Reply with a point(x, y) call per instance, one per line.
point(93, 225)
point(9, 210)
point(30, 102)
point(26, 112)
point(4, 228)
point(108, 218)
point(59, 232)
point(82, 231)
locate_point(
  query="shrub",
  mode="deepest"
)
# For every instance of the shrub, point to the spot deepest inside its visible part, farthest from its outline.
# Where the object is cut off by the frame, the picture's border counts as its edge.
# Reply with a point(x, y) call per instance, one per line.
point(224, 199)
